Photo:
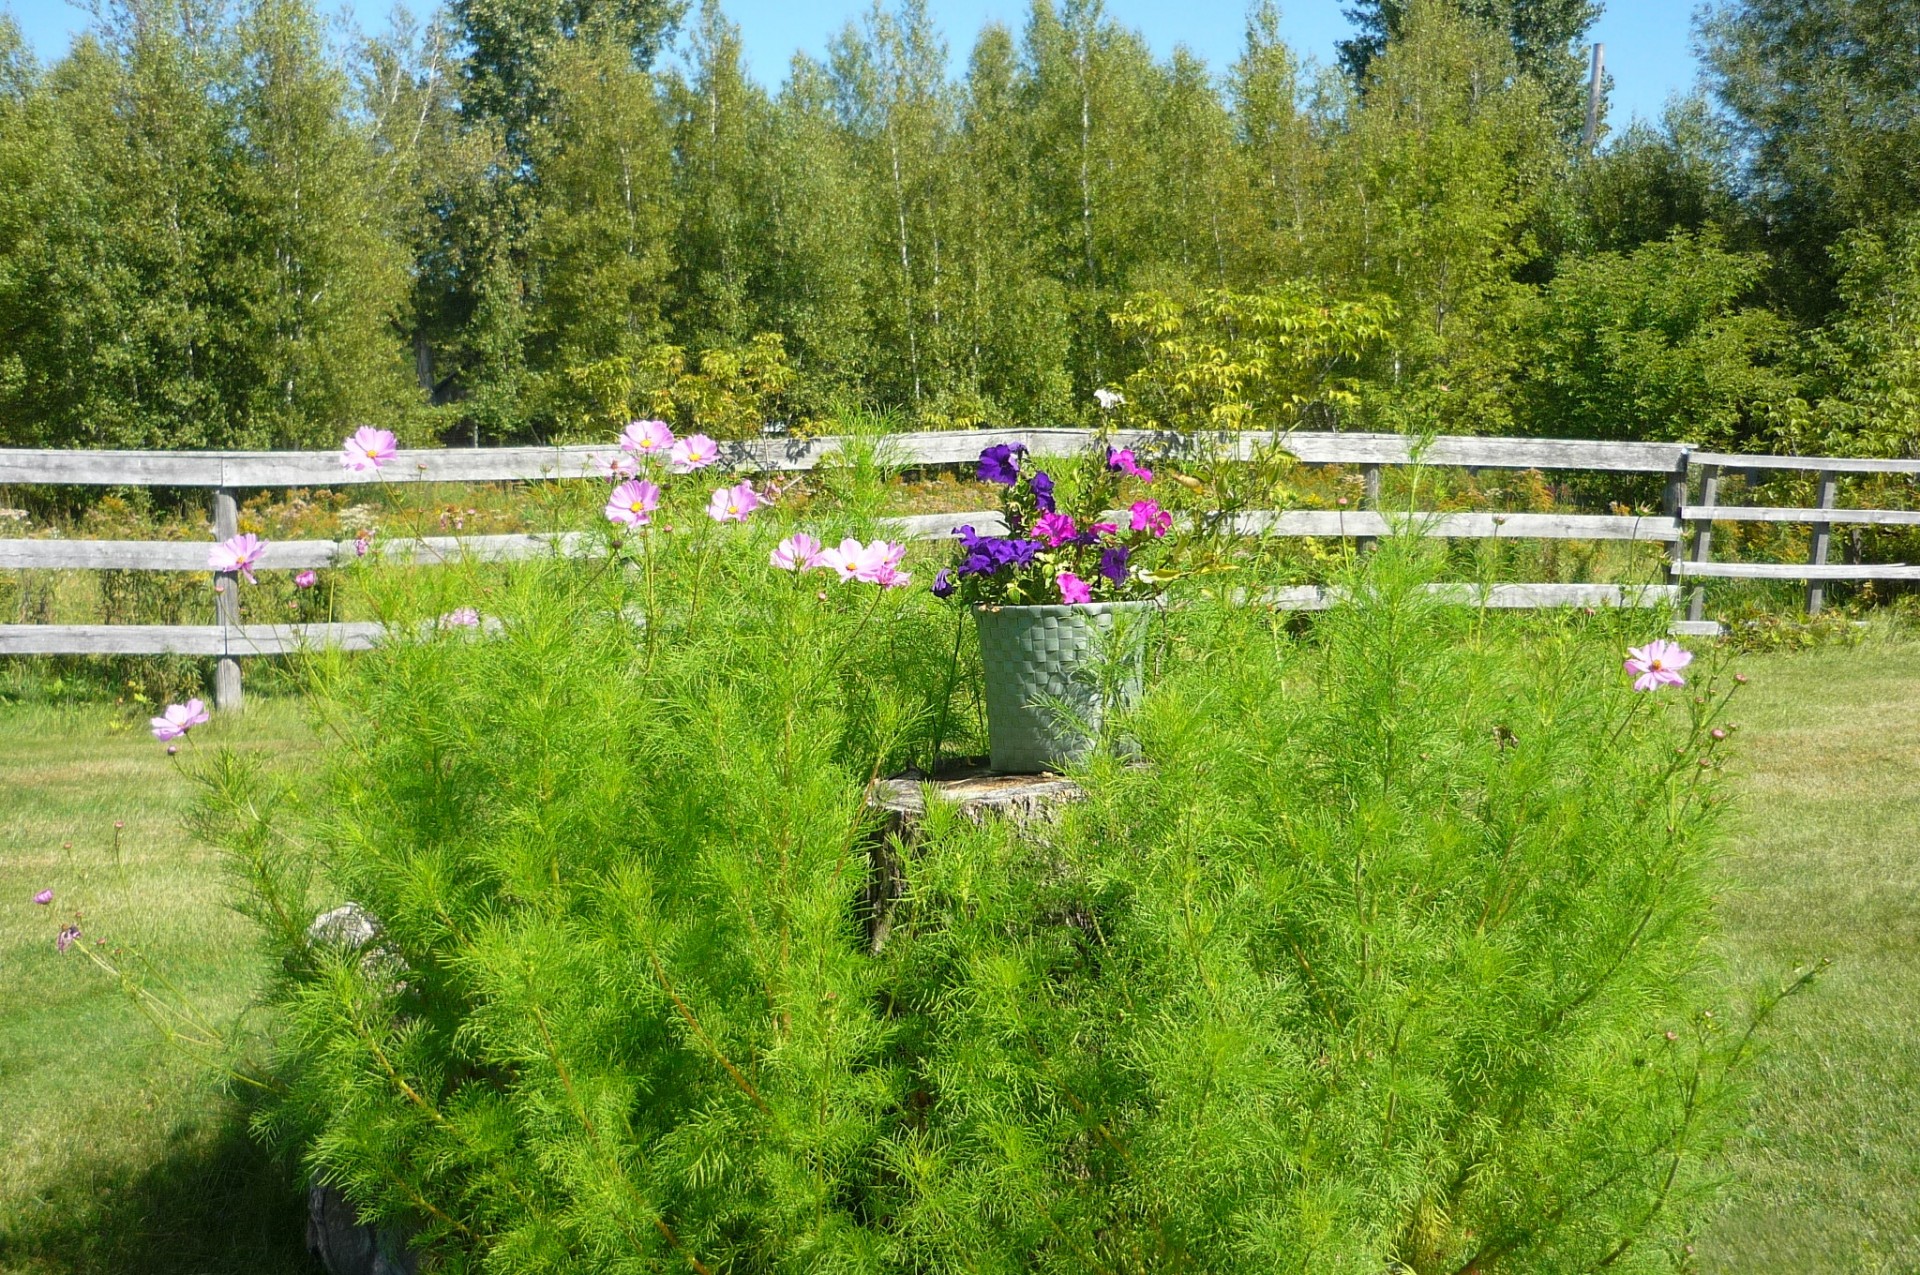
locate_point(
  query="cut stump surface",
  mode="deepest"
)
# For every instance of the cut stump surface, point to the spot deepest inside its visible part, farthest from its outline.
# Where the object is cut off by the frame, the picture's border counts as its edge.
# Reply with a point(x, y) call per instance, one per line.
point(978, 792)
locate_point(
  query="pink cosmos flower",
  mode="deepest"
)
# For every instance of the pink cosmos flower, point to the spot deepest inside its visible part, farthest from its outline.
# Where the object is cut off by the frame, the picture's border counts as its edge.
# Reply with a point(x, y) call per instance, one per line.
point(1149, 516)
point(647, 438)
point(876, 563)
point(1657, 664)
point(696, 451)
point(799, 552)
point(239, 553)
point(67, 936)
point(1073, 588)
point(43, 898)
point(306, 580)
point(1055, 528)
point(633, 502)
point(368, 449)
point(733, 504)
point(179, 719)
point(888, 574)
point(616, 466)
point(460, 618)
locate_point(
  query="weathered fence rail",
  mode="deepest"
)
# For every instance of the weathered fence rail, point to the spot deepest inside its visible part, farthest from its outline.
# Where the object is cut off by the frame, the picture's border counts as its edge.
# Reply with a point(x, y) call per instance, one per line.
point(1683, 529)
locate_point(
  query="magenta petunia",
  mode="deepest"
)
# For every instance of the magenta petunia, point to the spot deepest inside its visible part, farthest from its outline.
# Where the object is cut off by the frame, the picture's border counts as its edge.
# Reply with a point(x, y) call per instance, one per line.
point(696, 451)
point(733, 504)
point(647, 438)
point(1123, 459)
point(1657, 664)
point(239, 553)
point(633, 502)
point(368, 449)
point(1073, 588)
point(43, 898)
point(178, 719)
point(1055, 528)
point(798, 552)
point(1149, 516)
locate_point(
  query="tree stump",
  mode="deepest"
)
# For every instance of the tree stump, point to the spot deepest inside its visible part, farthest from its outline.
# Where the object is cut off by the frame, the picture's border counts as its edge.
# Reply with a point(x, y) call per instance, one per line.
point(336, 1236)
point(978, 792)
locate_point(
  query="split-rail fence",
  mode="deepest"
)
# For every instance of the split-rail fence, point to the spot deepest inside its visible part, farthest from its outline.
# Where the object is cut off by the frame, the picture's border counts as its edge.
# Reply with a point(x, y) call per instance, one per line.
point(1685, 529)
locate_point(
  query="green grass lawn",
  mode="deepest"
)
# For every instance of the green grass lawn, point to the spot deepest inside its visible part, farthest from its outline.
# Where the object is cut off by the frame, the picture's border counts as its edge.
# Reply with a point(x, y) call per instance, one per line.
point(1828, 857)
point(118, 1154)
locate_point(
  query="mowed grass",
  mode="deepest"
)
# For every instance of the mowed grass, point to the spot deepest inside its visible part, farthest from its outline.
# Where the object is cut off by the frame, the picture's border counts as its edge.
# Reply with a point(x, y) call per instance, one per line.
point(120, 1154)
point(1828, 860)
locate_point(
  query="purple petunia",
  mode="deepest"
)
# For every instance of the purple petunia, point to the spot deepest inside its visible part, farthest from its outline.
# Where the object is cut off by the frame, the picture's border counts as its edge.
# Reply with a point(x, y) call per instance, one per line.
point(1001, 464)
point(988, 554)
point(1113, 563)
point(943, 585)
point(1042, 485)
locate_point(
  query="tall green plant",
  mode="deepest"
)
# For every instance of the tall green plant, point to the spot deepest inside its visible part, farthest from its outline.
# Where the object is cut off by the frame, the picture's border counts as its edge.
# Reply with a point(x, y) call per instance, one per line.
point(1389, 957)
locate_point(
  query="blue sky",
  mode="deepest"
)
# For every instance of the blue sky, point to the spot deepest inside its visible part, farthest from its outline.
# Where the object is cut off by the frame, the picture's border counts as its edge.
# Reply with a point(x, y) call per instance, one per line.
point(1648, 41)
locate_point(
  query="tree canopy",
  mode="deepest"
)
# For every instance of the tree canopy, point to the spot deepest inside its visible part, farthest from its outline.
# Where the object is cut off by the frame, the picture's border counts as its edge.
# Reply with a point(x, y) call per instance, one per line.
point(526, 218)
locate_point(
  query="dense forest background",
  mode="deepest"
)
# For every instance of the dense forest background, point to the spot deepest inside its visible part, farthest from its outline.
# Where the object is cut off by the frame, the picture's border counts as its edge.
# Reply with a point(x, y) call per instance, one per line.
point(519, 219)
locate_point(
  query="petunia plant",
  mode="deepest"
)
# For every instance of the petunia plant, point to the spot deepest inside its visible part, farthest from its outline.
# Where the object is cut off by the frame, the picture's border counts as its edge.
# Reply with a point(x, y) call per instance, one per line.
point(1081, 532)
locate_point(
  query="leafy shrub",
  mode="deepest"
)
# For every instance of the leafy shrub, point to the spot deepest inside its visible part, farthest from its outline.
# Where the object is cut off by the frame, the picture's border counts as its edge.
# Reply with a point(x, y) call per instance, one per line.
point(1228, 361)
point(724, 392)
point(1656, 343)
point(1389, 958)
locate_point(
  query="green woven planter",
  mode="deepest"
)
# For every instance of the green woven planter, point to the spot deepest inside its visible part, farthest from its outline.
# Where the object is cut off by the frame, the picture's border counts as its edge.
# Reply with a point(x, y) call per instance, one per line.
point(1044, 672)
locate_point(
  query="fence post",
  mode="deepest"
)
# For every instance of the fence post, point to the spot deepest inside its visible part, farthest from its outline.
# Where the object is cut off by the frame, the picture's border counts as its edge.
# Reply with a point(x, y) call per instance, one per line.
point(1822, 536)
point(226, 601)
point(1369, 499)
point(1671, 503)
point(1703, 537)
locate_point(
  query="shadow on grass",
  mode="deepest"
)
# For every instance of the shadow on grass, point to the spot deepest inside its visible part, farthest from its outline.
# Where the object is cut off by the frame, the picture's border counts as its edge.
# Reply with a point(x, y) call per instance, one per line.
point(215, 1203)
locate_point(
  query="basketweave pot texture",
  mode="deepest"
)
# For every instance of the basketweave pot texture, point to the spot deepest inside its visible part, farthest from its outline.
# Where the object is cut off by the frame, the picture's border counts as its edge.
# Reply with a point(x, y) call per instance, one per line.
point(1045, 701)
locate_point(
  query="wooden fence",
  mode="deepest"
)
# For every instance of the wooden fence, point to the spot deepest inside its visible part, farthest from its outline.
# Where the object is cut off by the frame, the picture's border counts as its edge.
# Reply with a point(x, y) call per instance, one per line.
point(227, 474)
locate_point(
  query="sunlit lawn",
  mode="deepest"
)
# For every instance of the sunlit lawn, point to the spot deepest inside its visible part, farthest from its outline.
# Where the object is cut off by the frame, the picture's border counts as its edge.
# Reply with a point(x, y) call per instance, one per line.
point(119, 1155)
point(1829, 858)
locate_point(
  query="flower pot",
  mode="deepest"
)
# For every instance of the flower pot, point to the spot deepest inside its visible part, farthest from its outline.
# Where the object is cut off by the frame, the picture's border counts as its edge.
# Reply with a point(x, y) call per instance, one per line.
point(1053, 673)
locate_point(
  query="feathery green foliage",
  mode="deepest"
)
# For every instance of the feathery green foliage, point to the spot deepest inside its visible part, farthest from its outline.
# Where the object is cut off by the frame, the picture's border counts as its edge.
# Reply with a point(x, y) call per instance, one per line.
point(1391, 954)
